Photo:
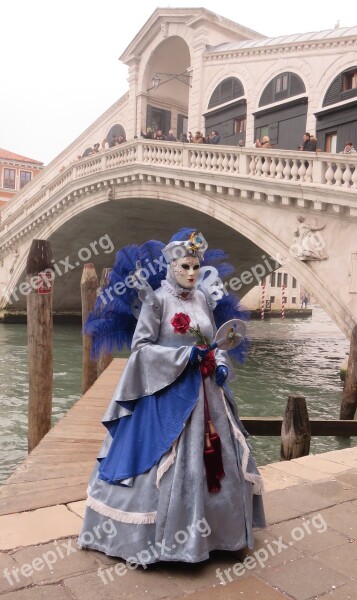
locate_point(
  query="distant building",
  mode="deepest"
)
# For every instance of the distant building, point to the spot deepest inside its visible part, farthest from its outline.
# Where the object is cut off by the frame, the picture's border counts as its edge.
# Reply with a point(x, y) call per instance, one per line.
point(272, 293)
point(15, 172)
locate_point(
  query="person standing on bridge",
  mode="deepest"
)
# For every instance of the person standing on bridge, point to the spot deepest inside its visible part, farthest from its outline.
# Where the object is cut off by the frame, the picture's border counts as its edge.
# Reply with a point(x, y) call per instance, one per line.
point(175, 477)
point(348, 149)
point(309, 145)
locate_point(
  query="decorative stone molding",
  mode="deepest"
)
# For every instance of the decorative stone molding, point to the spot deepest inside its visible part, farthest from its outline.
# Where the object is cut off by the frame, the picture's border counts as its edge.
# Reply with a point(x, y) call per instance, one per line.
point(353, 274)
point(294, 48)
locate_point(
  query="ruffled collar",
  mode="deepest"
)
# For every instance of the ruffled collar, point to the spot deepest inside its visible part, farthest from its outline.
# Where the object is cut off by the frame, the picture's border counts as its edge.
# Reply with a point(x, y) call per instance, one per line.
point(170, 285)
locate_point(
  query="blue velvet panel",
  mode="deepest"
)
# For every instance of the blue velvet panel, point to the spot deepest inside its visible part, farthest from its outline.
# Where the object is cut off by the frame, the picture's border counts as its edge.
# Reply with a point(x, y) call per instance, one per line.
point(142, 438)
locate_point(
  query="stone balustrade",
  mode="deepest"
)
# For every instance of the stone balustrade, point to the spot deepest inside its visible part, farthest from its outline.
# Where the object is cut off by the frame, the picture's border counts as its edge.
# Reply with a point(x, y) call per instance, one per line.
point(321, 172)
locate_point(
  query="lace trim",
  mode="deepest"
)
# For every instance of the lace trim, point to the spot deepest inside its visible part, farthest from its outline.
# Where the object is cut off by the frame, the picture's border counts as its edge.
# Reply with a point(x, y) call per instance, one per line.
point(121, 515)
point(176, 290)
point(166, 464)
point(255, 479)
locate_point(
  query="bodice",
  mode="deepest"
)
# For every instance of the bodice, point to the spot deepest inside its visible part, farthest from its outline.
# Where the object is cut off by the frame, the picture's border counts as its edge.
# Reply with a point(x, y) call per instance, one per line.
point(195, 306)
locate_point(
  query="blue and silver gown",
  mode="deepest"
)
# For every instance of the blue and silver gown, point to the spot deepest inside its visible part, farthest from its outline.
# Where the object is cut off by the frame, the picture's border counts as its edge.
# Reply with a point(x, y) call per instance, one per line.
point(149, 485)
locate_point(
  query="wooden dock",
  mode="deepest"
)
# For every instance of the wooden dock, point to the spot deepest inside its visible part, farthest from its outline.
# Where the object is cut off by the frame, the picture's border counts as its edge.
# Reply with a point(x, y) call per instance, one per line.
point(58, 469)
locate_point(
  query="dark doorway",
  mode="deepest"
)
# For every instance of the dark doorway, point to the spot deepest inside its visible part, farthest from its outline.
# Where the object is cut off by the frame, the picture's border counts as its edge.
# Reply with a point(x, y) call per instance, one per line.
point(158, 118)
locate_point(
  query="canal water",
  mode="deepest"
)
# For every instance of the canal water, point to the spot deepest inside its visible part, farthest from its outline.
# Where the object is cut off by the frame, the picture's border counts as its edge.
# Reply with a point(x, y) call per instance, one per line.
point(286, 357)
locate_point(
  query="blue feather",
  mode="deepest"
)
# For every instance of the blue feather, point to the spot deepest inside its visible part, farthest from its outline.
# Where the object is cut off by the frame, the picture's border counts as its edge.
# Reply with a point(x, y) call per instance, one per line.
point(111, 324)
point(217, 258)
point(182, 235)
point(150, 255)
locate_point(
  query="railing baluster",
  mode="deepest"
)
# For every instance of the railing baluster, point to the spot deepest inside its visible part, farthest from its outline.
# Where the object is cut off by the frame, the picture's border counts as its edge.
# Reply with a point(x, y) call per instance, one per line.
point(347, 176)
point(329, 175)
point(287, 169)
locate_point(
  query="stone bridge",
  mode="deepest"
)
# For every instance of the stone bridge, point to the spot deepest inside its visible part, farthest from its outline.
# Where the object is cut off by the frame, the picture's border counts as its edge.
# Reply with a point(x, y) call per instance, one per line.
point(245, 200)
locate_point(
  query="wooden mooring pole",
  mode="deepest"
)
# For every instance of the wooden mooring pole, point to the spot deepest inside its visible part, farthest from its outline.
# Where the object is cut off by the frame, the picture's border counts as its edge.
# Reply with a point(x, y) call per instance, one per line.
point(349, 400)
point(39, 278)
point(295, 429)
point(104, 359)
point(89, 286)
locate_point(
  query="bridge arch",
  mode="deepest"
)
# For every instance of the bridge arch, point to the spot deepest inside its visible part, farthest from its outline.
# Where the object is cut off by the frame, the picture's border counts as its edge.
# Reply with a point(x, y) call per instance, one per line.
point(164, 84)
point(142, 210)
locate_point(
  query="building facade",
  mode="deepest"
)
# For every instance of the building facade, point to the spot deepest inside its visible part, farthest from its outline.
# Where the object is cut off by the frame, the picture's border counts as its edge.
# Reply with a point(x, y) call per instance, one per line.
point(15, 172)
point(280, 289)
point(193, 70)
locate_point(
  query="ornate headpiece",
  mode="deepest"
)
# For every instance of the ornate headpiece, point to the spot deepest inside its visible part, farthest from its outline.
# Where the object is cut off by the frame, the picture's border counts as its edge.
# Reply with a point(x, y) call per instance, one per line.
point(196, 245)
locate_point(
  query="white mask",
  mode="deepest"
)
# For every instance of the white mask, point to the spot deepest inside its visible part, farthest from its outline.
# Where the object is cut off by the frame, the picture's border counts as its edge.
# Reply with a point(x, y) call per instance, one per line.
point(185, 271)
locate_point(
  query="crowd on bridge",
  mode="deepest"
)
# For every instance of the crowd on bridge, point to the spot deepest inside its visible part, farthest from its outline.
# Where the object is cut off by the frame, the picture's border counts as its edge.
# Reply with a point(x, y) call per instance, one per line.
point(308, 144)
point(198, 138)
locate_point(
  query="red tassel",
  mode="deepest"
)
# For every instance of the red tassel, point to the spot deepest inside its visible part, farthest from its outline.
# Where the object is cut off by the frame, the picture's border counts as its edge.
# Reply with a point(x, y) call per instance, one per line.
point(209, 457)
point(208, 364)
point(216, 445)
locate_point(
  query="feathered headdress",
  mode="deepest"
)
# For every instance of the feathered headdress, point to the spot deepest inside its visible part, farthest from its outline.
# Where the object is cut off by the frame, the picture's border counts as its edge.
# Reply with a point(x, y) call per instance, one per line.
point(112, 322)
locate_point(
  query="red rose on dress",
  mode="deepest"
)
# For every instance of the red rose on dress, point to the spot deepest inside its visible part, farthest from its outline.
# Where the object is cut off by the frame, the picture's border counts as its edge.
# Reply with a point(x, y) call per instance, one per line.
point(181, 323)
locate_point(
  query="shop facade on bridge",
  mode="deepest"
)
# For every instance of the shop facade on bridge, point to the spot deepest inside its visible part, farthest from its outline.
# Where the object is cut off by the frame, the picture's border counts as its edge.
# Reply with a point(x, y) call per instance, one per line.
point(192, 70)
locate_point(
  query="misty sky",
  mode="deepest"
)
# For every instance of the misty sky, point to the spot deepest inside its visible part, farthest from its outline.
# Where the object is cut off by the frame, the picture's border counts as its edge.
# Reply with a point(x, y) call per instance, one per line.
point(59, 60)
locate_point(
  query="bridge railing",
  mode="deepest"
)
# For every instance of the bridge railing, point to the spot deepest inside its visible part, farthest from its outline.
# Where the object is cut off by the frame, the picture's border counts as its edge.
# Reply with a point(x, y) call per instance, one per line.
point(317, 169)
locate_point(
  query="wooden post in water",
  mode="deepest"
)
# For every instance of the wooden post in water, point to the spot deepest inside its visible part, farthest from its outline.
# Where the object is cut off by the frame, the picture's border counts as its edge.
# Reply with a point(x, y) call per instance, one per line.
point(295, 429)
point(89, 286)
point(349, 401)
point(39, 278)
point(104, 359)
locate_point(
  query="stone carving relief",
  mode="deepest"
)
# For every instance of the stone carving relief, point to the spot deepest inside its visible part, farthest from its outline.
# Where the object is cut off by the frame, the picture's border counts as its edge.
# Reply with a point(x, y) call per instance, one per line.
point(15, 254)
point(164, 29)
point(309, 243)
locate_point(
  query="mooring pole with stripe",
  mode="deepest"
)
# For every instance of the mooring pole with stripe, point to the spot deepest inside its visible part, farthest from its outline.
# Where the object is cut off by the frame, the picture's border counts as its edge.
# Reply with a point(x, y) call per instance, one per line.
point(262, 301)
point(283, 300)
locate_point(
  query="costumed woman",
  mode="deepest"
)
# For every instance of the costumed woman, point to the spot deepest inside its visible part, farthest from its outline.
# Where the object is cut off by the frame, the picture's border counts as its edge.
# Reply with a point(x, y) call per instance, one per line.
point(175, 477)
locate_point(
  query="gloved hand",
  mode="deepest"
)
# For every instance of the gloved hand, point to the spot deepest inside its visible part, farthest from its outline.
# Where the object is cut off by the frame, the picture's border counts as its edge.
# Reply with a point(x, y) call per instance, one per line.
point(221, 374)
point(197, 353)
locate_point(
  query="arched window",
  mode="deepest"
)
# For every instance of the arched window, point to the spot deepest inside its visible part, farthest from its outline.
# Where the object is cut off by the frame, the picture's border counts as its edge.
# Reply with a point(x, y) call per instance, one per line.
point(88, 151)
point(343, 87)
point(227, 90)
point(114, 133)
point(281, 87)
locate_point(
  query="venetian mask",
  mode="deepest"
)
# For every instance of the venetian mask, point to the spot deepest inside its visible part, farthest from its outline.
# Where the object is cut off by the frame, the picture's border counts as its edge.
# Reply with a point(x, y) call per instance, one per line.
point(185, 271)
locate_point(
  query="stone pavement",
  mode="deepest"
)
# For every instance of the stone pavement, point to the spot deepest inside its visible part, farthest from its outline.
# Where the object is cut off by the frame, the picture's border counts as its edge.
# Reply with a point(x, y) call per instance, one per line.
point(308, 551)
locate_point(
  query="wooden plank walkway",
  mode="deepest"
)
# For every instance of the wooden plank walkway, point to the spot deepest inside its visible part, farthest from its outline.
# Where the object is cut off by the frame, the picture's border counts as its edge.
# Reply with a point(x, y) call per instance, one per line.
point(58, 469)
